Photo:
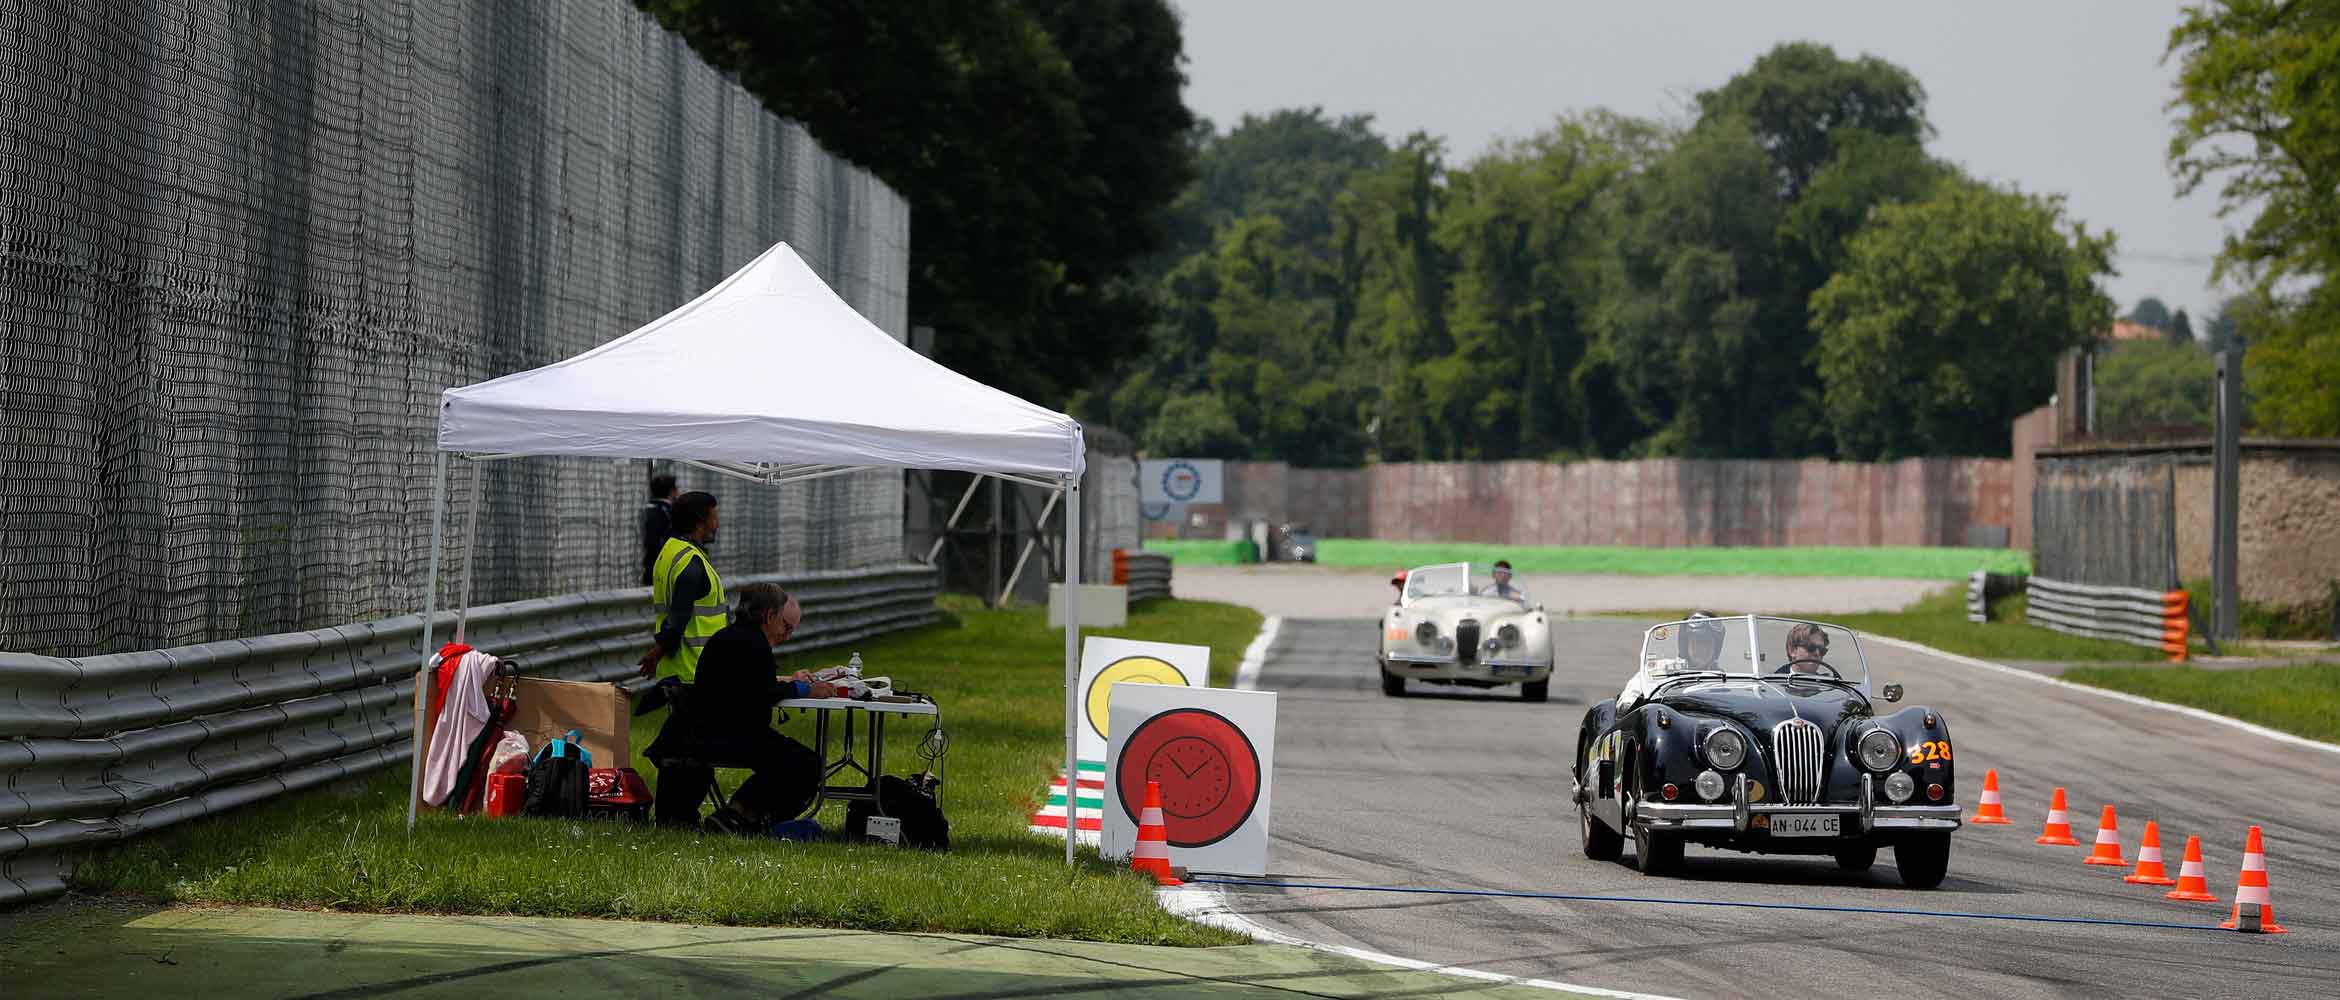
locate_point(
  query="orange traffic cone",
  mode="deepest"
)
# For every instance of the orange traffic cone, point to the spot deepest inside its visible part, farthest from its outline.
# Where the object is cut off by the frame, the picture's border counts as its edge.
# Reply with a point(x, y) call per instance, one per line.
point(2059, 829)
point(2149, 859)
point(2192, 885)
point(2108, 842)
point(1153, 844)
point(1990, 811)
point(2252, 910)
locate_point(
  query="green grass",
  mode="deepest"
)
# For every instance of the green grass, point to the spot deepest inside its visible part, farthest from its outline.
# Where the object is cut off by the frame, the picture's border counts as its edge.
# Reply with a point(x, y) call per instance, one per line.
point(1939, 620)
point(2303, 700)
point(1914, 563)
point(1202, 552)
point(998, 676)
point(2272, 621)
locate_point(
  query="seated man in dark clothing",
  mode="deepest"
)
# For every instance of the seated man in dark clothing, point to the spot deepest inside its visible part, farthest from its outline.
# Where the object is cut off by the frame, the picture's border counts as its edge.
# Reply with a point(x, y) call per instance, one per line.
point(724, 720)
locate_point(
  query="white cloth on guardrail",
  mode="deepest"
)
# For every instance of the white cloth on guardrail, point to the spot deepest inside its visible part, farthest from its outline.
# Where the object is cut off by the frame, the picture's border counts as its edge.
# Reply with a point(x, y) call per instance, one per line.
point(460, 720)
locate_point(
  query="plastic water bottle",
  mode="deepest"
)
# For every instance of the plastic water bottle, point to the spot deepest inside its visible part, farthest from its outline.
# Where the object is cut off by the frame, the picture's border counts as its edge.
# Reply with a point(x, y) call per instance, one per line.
point(854, 664)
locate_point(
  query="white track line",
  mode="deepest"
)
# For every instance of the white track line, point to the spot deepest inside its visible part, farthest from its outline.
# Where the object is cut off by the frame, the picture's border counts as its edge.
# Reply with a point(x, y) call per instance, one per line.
point(1209, 906)
point(1247, 672)
point(2187, 711)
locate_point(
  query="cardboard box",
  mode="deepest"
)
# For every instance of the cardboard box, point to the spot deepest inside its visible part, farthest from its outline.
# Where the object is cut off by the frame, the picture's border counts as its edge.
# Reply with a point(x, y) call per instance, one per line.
point(600, 712)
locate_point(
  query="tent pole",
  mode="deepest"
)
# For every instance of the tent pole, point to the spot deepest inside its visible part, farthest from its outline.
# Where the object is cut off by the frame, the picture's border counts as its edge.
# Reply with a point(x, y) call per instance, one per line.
point(470, 551)
point(422, 670)
point(1072, 664)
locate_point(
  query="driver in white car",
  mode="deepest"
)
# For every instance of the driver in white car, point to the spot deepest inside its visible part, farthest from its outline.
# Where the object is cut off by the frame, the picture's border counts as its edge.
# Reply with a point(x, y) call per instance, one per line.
point(1700, 644)
point(1503, 587)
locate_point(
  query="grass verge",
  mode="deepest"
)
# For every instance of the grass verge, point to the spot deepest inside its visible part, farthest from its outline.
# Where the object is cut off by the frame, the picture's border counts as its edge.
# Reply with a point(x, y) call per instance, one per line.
point(1939, 620)
point(2303, 700)
point(1204, 552)
point(1910, 563)
point(998, 676)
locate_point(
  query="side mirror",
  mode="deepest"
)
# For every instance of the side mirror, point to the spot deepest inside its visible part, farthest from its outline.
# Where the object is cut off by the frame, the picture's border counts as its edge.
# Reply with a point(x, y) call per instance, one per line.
point(1892, 692)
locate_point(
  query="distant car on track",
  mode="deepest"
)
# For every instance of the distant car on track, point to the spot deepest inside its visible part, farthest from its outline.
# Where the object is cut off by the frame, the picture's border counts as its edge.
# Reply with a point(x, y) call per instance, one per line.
point(1715, 742)
point(1445, 630)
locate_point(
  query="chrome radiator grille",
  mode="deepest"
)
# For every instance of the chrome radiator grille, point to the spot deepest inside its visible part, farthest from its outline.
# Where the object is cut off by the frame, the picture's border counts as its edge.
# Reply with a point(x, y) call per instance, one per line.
point(1466, 640)
point(1797, 748)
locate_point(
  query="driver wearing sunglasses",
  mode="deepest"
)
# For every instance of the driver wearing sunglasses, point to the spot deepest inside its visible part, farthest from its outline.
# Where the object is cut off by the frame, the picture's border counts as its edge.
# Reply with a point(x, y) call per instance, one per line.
point(1807, 648)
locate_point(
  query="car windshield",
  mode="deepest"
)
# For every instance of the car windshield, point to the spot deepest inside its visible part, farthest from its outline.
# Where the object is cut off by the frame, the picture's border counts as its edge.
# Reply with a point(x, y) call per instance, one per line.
point(1449, 580)
point(1777, 649)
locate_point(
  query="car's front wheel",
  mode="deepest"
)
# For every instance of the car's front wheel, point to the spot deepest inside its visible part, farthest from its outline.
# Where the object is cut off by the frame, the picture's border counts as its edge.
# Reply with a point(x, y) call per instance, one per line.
point(1856, 857)
point(1923, 859)
point(1600, 842)
point(1536, 690)
point(1392, 684)
point(1657, 853)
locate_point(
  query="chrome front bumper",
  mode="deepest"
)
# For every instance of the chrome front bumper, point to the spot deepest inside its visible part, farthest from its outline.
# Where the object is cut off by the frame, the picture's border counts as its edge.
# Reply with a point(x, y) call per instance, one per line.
point(1738, 815)
point(1446, 668)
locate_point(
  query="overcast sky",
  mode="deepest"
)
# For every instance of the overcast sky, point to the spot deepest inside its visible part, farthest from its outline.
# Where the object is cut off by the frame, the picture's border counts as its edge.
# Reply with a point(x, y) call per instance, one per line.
point(2063, 96)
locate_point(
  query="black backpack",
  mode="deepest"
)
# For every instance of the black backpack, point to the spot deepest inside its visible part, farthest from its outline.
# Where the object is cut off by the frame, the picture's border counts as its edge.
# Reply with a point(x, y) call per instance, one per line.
point(911, 801)
point(558, 782)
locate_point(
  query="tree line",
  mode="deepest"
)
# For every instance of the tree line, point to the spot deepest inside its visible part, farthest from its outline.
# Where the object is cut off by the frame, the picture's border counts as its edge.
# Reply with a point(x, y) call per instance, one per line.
point(1788, 273)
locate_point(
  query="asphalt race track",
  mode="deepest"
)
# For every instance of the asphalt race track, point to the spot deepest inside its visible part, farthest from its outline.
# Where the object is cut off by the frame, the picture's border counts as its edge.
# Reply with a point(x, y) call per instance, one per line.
point(1470, 791)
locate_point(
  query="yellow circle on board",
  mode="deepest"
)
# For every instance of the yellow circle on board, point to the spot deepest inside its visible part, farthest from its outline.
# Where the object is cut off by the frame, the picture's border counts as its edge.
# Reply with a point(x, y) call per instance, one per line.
point(1131, 669)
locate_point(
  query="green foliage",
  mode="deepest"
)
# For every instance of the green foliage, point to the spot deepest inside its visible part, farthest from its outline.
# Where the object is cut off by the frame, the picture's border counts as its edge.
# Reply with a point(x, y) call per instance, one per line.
point(2149, 388)
point(1037, 141)
point(2259, 103)
point(1946, 321)
point(2151, 312)
point(996, 675)
point(1606, 287)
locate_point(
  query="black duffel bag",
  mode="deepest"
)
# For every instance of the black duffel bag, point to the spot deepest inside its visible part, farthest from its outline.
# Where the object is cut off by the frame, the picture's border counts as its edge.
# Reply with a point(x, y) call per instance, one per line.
point(910, 800)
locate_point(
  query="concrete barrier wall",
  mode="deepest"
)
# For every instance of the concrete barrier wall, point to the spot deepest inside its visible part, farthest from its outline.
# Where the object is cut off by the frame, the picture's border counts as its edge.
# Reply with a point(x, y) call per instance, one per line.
point(1646, 502)
point(2288, 545)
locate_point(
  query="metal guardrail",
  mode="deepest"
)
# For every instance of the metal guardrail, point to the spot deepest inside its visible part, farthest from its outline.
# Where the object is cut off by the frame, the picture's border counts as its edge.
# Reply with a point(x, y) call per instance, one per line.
point(2151, 618)
point(100, 748)
point(1146, 574)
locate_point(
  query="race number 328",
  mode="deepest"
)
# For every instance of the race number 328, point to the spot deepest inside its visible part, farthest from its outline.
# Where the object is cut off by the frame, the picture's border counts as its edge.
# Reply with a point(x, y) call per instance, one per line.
point(1929, 750)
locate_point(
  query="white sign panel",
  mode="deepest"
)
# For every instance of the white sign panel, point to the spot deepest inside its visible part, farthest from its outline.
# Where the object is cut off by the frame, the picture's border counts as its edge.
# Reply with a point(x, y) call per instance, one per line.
point(1181, 481)
point(1106, 662)
point(1212, 753)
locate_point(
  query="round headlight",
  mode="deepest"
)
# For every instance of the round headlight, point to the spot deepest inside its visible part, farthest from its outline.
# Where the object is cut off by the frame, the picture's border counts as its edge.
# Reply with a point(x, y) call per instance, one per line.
point(1880, 750)
point(1726, 749)
point(1509, 634)
point(1426, 633)
point(1899, 787)
point(1710, 785)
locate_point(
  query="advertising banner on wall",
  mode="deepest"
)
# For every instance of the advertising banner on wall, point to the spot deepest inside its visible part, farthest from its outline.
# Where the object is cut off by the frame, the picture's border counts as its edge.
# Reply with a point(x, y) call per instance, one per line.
point(1181, 481)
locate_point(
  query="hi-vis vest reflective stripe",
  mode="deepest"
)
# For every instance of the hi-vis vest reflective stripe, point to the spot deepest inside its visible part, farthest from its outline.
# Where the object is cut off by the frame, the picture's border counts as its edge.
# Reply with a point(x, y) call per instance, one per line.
point(707, 616)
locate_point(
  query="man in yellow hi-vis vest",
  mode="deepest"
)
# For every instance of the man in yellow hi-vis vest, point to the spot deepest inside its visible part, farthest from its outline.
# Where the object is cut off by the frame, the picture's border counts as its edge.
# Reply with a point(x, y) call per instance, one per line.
point(685, 591)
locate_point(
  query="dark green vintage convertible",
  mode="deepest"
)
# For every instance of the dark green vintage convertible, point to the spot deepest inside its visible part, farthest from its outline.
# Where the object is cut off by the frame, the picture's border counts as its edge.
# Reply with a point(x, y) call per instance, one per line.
point(1761, 735)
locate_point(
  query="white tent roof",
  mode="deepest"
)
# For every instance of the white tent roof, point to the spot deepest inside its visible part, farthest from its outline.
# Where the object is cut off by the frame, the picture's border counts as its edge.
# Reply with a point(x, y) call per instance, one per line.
point(769, 367)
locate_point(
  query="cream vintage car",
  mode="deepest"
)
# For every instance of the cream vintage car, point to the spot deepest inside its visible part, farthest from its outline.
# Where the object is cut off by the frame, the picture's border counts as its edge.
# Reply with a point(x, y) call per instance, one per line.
point(1448, 627)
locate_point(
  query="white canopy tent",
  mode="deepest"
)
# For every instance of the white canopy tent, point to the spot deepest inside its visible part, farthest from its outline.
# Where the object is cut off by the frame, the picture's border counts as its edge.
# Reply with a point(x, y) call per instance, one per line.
point(771, 378)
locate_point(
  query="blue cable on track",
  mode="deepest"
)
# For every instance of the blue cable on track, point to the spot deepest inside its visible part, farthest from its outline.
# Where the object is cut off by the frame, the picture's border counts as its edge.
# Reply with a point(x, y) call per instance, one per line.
point(1814, 907)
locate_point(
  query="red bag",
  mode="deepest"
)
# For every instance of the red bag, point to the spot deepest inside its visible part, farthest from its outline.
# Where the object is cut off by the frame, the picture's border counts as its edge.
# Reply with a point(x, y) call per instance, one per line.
point(505, 791)
point(617, 792)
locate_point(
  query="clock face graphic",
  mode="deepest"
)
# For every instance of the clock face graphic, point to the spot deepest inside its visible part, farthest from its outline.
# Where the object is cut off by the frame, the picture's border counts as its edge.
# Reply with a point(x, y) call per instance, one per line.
point(1207, 770)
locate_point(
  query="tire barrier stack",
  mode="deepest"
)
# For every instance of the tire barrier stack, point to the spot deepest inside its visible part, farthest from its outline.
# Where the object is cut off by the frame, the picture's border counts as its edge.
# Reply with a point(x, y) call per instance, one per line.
point(1146, 574)
point(97, 749)
point(1984, 587)
point(2151, 618)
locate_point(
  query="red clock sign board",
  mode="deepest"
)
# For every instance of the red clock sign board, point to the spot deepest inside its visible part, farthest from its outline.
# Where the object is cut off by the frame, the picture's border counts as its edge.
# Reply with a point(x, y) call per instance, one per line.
point(1211, 752)
point(1205, 767)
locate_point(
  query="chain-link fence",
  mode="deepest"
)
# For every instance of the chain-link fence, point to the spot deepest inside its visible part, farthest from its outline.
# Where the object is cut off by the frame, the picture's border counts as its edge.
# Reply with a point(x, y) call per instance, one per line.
point(244, 246)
